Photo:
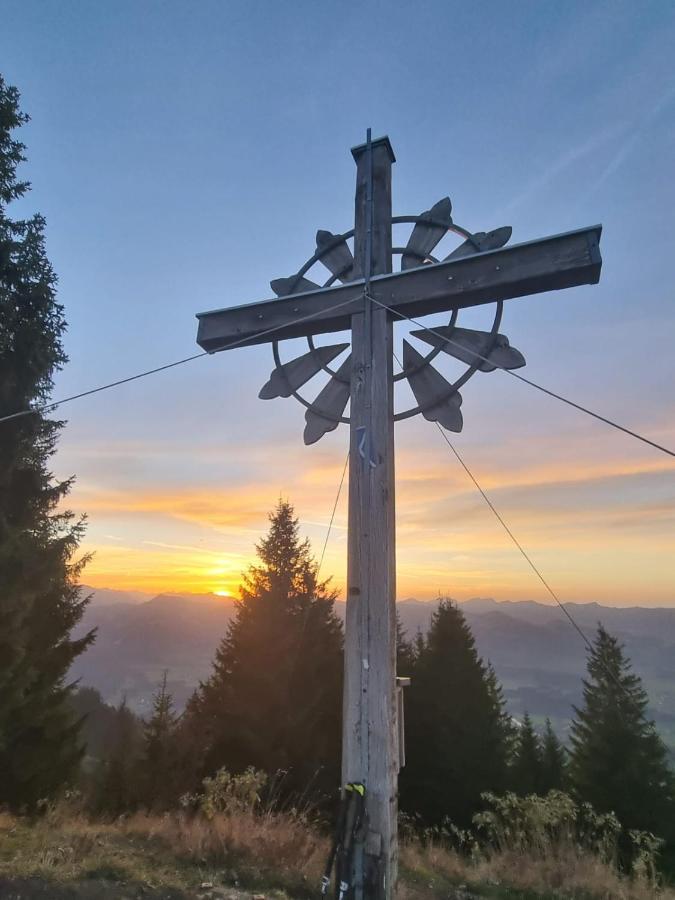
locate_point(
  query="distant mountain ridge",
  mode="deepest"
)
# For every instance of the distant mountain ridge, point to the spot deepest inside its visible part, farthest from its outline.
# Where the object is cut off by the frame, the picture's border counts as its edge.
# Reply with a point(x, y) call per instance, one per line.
point(110, 596)
point(539, 657)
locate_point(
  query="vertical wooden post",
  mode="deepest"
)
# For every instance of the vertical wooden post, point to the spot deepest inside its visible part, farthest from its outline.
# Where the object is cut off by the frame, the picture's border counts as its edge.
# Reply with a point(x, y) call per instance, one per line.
point(369, 748)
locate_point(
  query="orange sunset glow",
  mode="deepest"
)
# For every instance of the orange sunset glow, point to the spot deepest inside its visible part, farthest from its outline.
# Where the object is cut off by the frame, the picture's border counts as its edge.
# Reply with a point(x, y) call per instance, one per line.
point(601, 531)
point(177, 472)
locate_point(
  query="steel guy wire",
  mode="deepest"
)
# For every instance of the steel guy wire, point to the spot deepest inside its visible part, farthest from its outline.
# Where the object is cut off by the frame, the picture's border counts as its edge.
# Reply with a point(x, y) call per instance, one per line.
point(515, 540)
point(44, 407)
point(332, 516)
point(308, 608)
point(532, 565)
point(519, 546)
point(522, 550)
point(508, 530)
point(533, 384)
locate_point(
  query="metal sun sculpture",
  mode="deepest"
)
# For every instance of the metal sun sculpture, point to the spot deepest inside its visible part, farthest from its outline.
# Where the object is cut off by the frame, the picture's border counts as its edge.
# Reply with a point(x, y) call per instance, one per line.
point(438, 400)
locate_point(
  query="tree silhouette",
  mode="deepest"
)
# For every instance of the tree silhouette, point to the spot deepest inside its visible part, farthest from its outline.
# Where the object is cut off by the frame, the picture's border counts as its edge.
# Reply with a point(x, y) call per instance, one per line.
point(405, 651)
point(618, 762)
point(526, 771)
point(118, 776)
point(158, 761)
point(457, 731)
point(274, 698)
point(553, 761)
point(40, 604)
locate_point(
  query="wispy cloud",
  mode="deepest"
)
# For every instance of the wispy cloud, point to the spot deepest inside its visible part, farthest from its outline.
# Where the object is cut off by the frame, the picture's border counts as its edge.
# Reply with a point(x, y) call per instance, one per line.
point(565, 160)
point(635, 133)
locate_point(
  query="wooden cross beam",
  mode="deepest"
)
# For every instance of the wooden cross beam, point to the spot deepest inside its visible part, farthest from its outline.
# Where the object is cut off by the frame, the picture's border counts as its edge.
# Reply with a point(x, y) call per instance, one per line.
point(367, 304)
point(548, 264)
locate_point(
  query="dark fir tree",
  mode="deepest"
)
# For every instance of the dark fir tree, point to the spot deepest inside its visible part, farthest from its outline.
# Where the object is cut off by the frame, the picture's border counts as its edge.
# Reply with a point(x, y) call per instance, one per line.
point(458, 734)
point(618, 761)
point(526, 771)
point(40, 602)
point(274, 698)
point(405, 651)
point(553, 761)
point(158, 762)
point(119, 783)
point(97, 721)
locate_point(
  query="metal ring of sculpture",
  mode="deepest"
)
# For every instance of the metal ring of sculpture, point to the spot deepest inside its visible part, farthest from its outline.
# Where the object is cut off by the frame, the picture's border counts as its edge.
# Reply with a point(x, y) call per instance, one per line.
point(433, 226)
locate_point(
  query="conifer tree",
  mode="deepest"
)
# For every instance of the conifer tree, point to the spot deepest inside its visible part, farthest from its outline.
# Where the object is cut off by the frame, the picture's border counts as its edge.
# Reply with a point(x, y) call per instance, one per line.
point(118, 776)
point(618, 762)
point(526, 772)
point(405, 651)
point(458, 734)
point(158, 762)
point(274, 698)
point(39, 597)
point(553, 761)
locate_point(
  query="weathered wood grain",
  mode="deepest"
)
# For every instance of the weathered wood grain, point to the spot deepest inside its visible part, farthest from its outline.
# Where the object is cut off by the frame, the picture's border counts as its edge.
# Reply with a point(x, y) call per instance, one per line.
point(282, 287)
point(292, 375)
point(329, 405)
point(470, 345)
point(370, 745)
point(338, 260)
point(431, 391)
point(425, 236)
point(548, 264)
point(482, 241)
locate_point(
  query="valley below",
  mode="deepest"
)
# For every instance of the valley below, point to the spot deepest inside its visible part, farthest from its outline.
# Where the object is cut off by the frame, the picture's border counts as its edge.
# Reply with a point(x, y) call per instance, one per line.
point(538, 656)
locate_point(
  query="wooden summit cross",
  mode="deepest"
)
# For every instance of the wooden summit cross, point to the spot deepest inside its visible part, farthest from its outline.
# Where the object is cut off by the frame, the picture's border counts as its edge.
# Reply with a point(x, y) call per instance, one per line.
point(367, 300)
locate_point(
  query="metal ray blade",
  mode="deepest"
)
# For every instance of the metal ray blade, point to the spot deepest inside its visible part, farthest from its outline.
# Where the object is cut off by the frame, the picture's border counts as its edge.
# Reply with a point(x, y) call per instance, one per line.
point(338, 259)
point(283, 287)
point(292, 375)
point(482, 241)
point(329, 405)
point(425, 236)
point(470, 345)
point(430, 389)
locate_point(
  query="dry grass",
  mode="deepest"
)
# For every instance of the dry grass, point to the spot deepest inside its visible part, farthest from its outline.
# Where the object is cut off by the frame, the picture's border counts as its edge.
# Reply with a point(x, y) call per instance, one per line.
point(174, 851)
point(278, 852)
point(431, 868)
point(277, 848)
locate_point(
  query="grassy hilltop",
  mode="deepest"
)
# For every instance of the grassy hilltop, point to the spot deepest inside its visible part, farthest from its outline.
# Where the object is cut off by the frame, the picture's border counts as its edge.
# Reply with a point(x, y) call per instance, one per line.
point(240, 851)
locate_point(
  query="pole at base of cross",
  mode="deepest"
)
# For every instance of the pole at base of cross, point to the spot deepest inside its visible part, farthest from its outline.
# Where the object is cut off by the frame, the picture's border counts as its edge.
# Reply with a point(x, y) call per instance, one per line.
point(369, 746)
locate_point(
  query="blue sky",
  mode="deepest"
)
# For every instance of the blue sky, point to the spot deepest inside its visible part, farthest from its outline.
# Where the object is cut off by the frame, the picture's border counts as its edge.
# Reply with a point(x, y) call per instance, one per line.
point(185, 153)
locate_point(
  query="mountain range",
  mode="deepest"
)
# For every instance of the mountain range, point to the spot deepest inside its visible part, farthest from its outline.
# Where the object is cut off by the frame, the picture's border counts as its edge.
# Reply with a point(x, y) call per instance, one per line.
point(538, 655)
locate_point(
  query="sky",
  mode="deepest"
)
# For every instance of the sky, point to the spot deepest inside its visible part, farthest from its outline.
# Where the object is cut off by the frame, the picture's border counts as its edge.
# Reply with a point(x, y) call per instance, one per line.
point(184, 154)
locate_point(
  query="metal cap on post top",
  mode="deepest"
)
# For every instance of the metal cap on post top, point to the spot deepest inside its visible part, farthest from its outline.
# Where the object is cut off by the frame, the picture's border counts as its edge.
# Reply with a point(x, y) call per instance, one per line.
point(384, 141)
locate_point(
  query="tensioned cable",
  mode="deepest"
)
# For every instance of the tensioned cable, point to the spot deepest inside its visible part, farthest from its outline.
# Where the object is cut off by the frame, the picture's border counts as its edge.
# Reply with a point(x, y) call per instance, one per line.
point(532, 565)
point(521, 549)
point(308, 608)
point(508, 530)
point(44, 407)
point(533, 384)
point(332, 516)
point(515, 540)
